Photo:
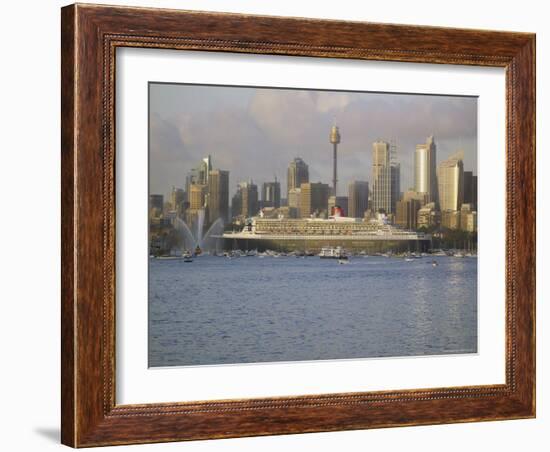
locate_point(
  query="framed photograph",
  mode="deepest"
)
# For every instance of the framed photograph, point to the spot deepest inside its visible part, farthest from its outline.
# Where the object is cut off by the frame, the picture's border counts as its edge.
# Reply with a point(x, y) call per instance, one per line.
point(281, 225)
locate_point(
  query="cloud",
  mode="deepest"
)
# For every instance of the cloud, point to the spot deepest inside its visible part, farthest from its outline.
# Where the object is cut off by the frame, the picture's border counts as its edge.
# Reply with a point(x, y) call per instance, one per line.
point(332, 102)
point(168, 155)
point(285, 117)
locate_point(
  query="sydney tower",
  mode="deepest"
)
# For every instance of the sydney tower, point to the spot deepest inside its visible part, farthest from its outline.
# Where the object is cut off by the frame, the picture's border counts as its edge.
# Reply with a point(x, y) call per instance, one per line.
point(335, 140)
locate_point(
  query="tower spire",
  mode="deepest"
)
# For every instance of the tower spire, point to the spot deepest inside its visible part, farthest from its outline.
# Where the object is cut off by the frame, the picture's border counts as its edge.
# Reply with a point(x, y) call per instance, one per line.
point(335, 140)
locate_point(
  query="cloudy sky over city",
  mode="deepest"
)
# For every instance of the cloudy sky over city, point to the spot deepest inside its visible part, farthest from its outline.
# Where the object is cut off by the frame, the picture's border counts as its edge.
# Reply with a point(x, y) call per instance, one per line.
point(255, 132)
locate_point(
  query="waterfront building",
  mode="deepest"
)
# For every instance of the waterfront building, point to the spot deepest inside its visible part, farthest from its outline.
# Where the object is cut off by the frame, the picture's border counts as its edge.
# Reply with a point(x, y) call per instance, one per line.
point(298, 174)
point(468, 218)
point(450, 219)
point(425, 177)
point(358, 198)
point(156, 206)
point(471, 222)
point(313, 199)
point(334, 138)
point(450, 176)
point(218, 195)
point(338, 201)
point(271, 194)
point(381, 177)
point(428, 216)
point(407, 213)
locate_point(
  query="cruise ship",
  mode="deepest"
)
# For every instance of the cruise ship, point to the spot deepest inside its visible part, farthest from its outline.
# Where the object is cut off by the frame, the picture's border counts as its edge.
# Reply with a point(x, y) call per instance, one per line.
point(312, 234)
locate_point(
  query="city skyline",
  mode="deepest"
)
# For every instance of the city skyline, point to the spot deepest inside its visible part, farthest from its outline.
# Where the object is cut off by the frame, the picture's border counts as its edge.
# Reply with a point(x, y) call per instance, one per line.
point(257, 132)
point(365, 189)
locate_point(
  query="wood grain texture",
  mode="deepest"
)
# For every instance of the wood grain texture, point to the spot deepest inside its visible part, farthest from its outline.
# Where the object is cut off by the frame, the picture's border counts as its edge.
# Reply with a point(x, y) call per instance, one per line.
point(90, 36)
point(68, 147)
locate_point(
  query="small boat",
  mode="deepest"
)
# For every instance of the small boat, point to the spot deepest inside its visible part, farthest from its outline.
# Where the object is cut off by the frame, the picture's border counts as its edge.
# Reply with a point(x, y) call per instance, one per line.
point(187, 257)
point(434, 264)
point(409, 259)
point(343, 261)
point(333, 253)
point(198, 251)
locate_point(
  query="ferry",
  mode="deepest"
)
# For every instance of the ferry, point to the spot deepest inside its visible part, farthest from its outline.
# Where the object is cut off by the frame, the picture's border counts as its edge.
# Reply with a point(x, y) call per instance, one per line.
point(328, 252)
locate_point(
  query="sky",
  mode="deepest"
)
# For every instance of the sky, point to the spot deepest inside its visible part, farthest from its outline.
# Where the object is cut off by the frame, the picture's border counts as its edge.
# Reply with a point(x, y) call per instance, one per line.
point(255, 132)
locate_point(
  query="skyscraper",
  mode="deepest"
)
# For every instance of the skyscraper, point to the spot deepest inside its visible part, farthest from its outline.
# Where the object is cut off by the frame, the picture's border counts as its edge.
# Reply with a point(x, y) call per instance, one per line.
point(425, 180)
point(381, 177)
point(450, 176)
point(470, 189)
point(249, 199)
point(271, 194)
point(218, 195)
point(468, 185)
point(177, 197)
point(358, 198)
point(204, 169)
point(197, 196)
point(474, 192)
point(335, 140)
point(395, 170)
point(298, 174)
point(293, 202)
point(313, 199)
point(236, 203)
point(198, 175)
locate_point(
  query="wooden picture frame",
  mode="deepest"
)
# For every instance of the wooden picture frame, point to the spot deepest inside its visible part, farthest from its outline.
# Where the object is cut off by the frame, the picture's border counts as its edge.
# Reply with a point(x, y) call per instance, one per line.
point(90, 36)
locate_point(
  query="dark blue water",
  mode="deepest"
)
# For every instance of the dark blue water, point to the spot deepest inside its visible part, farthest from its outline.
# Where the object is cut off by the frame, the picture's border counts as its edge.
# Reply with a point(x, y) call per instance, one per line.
point(250, 309)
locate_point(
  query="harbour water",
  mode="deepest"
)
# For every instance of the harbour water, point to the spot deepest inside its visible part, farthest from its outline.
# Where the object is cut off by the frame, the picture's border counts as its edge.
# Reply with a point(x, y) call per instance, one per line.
point(217, 310)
